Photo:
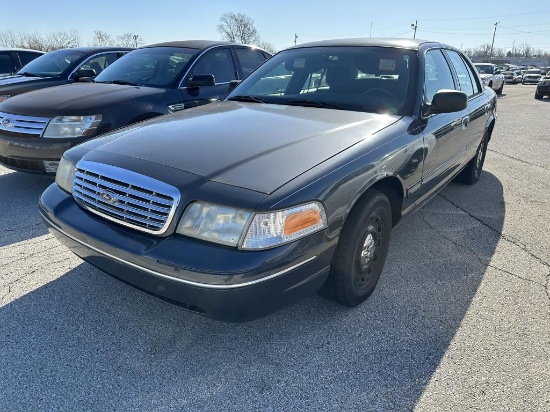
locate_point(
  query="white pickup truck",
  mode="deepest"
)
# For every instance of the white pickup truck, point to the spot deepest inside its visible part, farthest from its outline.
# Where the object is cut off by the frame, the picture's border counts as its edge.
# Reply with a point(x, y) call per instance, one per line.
point(491, 76)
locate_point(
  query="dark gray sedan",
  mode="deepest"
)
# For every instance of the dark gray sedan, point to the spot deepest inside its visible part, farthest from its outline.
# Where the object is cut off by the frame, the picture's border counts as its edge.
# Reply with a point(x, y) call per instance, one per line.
point(288, 187)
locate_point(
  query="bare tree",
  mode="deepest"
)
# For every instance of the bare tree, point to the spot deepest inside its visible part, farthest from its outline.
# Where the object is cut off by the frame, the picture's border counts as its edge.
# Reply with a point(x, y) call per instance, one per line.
point(102, 38)
point(62, 40)
point(238, 28)
point(12, 39)
point(130, 40)
point(267, 47)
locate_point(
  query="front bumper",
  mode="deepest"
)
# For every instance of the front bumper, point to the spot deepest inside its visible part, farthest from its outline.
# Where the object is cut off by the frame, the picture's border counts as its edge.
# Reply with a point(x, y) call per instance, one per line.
point(27, 154)
point(219, 282)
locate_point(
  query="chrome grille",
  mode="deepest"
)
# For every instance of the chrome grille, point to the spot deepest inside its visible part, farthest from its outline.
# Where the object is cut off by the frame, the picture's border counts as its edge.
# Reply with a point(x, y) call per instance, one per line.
point(125, 197)
point(33, 126)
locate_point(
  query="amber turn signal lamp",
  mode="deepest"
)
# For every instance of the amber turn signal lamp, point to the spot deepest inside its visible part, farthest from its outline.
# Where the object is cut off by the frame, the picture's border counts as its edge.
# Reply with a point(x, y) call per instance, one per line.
point(301, 220)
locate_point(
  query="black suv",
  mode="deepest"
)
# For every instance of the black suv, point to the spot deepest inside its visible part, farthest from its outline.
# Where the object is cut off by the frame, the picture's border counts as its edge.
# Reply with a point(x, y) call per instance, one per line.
point(12, 60)
point(37, 127)
point(59, 67)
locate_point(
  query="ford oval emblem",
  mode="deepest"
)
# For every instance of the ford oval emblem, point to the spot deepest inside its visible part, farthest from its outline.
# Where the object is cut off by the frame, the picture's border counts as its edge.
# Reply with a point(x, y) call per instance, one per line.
point(108, 196)
point(6, 122)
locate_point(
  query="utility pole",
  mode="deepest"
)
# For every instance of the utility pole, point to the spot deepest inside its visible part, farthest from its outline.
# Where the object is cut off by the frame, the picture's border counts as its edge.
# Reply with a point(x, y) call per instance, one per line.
point(414, 26)
point(135, 40)
point(295, 38)
point(493, 43)
point(370, 33)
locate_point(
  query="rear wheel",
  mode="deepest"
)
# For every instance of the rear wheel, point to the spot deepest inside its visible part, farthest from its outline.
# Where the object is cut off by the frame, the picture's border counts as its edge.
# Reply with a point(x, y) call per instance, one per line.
point(471, 173)
point(361, 251)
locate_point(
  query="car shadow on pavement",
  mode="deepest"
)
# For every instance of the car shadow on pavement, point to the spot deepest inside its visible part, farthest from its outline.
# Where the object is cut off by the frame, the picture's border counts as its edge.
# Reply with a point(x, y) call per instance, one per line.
point(88, 342)
point(19, 217)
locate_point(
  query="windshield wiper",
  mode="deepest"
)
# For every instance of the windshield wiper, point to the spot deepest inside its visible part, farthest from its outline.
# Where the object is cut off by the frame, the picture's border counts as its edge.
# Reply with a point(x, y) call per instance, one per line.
point(243, 98)
point(310, 103)
point(123, 82)
point(27, 74)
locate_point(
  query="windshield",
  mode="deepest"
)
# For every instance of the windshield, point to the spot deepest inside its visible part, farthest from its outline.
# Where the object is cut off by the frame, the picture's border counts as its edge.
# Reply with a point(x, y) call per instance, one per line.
point(51, 64)
point(154, 67)
point(368, 79)
point(484, 68)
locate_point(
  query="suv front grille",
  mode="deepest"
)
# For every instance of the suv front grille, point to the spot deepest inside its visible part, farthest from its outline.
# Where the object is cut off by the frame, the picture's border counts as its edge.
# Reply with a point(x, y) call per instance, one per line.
point(125, 197)
point(32, 126)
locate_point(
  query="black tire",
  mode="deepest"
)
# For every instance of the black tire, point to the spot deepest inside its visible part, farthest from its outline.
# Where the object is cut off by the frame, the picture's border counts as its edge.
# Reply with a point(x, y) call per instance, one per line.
point(499, 91)
point(471, 173)
point(538, 96)
point(361, 251)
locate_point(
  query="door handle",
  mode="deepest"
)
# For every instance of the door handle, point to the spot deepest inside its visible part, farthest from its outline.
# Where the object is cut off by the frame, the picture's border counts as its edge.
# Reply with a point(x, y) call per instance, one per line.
point(465, 121)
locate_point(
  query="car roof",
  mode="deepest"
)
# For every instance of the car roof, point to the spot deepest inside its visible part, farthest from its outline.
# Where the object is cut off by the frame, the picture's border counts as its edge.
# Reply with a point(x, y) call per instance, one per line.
point(89, 49)
point(192, 44)
point(20, 49)
point(413, 44)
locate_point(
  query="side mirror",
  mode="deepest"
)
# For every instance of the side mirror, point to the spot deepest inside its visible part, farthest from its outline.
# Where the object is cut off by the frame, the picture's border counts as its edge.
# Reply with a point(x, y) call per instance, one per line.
point(233, 84)
point(199, 80)
point(497, 71)
point(447, 101)
point(82, 73)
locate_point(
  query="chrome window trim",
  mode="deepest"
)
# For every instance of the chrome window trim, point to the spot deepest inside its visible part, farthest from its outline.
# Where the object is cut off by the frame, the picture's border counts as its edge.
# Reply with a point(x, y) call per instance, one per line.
point(132, 179)
point(95, 55)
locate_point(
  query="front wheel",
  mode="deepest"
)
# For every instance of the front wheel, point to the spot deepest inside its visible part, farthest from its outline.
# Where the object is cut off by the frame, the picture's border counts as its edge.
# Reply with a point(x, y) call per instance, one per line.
point(538, 96)
point(361, 251)
point(471, 173)
point(499, 91)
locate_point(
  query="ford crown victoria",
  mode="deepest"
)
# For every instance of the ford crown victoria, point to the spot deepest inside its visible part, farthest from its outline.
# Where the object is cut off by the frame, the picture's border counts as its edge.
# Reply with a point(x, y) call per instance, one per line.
point(289, 186)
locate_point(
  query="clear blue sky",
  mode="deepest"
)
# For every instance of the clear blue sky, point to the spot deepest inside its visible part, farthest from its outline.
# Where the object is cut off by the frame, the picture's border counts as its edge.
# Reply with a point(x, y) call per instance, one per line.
point(465, 23)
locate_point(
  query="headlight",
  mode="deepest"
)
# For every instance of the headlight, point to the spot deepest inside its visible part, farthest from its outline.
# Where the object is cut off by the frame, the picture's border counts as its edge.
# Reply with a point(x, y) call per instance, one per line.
point(276, 228)
point(214, 223)
point(65, 175)
point(72, 126)
point(4, 97)
point(226, 225)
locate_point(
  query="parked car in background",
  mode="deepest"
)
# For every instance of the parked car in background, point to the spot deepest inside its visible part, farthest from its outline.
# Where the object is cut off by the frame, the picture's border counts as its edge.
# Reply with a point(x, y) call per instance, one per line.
point(512, 77)
point(37, 127)
point(543, 87)
point(59, 67)
point(532, 76)
point(287, 187)
point(491, 76)
point(12, 59)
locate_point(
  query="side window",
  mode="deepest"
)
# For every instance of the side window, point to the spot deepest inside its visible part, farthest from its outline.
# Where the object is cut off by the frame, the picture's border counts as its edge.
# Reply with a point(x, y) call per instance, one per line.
point(437, 74)
point(249, 59)
point(98, 63)
point(217, 62)
point(6, 65)
point(465, 79)
point(27, 57)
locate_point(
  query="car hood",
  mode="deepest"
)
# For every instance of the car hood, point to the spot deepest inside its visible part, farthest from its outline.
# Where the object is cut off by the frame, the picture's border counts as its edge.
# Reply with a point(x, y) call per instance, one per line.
point(484, 76)
point(253, 146)
point(16, 78)
point(77, 98)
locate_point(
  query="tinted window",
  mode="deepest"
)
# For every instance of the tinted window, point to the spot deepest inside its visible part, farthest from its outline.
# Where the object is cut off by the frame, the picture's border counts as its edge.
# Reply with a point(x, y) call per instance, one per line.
point(217, 62)
point(52, 64)
point(154, 67)
point(99, 62)
point(249, 59)
point(6, 65)
point(465, 79)
point(27, 57)
point(437, 74)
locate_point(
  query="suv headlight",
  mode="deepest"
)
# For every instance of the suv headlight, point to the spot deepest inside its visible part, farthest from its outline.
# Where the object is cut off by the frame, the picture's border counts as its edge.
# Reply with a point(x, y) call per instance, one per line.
point(251, 231)
point(65, 175)
point(72, 126)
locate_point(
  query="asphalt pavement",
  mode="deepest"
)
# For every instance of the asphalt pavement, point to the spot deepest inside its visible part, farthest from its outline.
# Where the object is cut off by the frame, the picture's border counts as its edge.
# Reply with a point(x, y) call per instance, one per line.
point(459, 321)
